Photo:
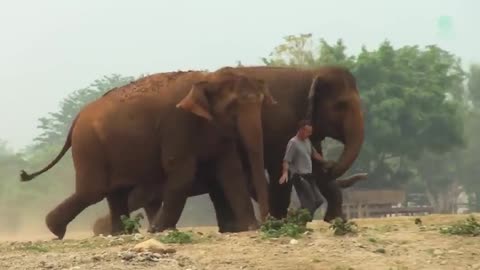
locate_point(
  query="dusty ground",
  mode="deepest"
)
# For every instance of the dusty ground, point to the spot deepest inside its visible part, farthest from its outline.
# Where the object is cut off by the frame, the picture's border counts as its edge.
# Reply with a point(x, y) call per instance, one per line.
point(388, 243)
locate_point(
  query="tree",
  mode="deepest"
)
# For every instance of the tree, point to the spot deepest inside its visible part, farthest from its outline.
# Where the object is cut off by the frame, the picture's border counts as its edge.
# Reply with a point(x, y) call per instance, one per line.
point(55, 126)
point(411, 99)
point(474, 85)
point(469, 169)
point(411, 108)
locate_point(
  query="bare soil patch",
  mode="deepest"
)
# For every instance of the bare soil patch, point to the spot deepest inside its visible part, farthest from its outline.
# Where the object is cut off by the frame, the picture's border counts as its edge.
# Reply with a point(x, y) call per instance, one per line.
point(386, 243)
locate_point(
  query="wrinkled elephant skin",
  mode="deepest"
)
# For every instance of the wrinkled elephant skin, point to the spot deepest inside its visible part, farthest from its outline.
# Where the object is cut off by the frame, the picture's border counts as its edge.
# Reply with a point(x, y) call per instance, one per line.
point(158, 129)
point(329, 97)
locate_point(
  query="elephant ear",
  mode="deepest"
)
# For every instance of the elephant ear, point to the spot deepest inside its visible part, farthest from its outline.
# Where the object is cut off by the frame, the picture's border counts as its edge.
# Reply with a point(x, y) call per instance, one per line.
point(196, 101)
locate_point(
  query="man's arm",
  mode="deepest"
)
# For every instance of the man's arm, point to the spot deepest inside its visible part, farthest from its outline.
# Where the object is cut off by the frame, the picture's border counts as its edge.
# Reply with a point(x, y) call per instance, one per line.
point(327, 165)
point(316, 155)
point(284, 167)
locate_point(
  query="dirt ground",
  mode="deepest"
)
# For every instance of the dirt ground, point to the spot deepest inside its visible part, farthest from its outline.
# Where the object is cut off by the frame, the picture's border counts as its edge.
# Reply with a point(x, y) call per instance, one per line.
point(386, 243)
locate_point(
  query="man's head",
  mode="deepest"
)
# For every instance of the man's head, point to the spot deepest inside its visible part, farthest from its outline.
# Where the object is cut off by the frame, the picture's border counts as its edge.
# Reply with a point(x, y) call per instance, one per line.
point(304, 129)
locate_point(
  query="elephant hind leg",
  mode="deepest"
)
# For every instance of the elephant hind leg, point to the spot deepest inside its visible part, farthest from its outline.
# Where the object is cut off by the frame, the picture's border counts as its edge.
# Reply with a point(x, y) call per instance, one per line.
point(102, 225)
point(58, 219)
point(118, 204)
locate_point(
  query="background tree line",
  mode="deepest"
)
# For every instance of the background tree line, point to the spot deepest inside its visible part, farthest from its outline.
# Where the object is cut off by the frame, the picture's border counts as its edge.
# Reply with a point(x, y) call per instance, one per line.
point(421, 113)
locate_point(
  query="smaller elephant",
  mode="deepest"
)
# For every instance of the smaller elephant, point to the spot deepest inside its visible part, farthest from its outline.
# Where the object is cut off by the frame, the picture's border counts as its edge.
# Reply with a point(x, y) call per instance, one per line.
point(158, 129)
point(145, 197)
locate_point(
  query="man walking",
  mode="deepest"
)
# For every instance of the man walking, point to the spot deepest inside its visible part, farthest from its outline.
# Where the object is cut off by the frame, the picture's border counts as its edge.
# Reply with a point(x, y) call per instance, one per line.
point(297, 165)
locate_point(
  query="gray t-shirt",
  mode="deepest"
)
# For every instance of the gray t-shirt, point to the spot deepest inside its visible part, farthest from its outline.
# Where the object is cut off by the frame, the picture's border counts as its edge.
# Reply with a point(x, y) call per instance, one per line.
point(299, 155)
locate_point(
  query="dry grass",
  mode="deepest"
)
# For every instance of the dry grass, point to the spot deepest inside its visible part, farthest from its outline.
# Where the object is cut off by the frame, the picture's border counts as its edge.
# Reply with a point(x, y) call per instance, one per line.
point(387, 243)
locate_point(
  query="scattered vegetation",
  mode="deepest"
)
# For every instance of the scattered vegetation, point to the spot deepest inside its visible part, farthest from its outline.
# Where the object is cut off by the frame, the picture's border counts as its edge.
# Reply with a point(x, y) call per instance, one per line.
point(341, 227)
point(176, 237)
point(470, 227)
point(418, 221)
point(34, 247)
point(294, 225)
point(132, 225)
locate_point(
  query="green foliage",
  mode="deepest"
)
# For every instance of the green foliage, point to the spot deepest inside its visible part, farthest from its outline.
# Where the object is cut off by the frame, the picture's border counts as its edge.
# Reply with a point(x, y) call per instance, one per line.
point(341, 227)
point(33, 247)
point(418, 221)
point(177, 237)
point(294, 225)
point(474, 85)
point(469, 227)
point(131, 225)
point(55, 126)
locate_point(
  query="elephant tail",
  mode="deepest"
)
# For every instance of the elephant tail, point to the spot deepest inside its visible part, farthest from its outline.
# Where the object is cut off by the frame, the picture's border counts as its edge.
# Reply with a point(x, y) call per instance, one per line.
point(24, 176)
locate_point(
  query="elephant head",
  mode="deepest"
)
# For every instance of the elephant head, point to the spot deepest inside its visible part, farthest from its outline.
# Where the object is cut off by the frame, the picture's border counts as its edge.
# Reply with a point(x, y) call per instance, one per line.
point(234, 102)
point(335, 111)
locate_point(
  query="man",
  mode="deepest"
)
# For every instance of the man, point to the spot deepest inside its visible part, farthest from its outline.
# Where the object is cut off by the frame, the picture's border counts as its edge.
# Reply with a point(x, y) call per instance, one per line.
point(297, 165)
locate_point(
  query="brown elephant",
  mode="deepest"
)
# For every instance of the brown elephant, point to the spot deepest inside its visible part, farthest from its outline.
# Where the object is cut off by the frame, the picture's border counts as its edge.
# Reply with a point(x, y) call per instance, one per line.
point(147, 197)
point(329, 97)
point(158, 129)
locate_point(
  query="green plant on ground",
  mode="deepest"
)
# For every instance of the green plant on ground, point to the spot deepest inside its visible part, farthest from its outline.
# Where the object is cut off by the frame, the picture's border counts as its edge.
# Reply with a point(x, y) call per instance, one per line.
point(34, 247)
point(293, 225)
point(176, 237)
point(470, 226)
point(418, 221)
point(341, 227)
point(131, 225)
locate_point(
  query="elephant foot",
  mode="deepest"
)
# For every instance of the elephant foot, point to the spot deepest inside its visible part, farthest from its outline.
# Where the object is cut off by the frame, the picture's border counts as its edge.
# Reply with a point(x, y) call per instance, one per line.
point(231, 228)
point(253, 227)
point(331, 218)
point(159, 229)
point(116, 233)
point(55, 227)
point(227, 229)
point(102, 226)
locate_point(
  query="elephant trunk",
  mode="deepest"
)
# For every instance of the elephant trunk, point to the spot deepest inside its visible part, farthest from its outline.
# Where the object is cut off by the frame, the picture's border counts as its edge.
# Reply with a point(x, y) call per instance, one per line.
point(353, 130)
point(251, 133)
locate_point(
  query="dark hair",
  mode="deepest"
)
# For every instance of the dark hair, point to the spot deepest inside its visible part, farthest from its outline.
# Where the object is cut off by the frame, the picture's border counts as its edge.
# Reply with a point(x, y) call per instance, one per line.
point(303, 123)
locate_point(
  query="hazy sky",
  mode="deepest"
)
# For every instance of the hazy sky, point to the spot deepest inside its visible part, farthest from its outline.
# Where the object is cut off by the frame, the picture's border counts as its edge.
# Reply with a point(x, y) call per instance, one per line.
point(52, 47)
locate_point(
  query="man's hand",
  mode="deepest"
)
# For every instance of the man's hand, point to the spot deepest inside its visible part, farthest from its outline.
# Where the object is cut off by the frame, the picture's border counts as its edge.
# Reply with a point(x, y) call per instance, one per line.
point(283, 179)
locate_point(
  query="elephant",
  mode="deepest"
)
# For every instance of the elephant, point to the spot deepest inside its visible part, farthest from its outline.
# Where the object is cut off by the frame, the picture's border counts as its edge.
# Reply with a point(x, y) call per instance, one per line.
point(146, 197)
point(329, 97)
point(160, 128)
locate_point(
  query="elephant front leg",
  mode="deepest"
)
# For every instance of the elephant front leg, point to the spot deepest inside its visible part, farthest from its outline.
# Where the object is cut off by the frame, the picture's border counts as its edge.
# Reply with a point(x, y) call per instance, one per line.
point(233, 181)
point(223, 211)
point(333, 194)
point(331, 191)
point(179, 182)
point(279, 193)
